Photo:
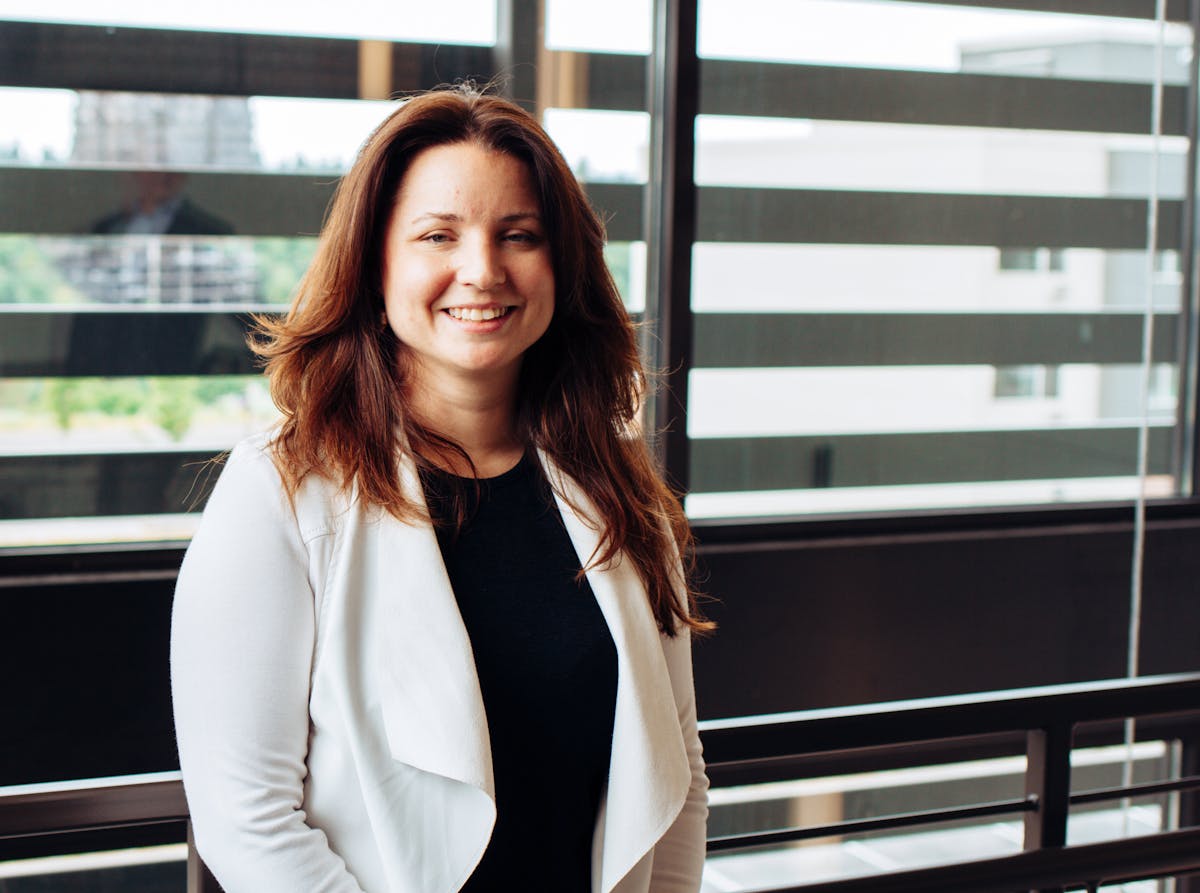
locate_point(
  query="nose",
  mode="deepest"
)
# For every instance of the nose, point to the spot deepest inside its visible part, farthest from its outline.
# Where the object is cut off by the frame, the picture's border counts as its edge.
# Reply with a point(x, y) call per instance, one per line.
point(480, 264)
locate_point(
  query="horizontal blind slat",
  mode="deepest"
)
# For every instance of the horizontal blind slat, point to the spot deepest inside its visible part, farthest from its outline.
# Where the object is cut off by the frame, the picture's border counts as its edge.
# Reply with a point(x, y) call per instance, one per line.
point(787, 90)
point(868, 460)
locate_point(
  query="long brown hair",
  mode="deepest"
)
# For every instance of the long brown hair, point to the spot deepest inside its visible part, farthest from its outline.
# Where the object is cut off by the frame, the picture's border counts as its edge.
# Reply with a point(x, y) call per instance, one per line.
point(337, 374)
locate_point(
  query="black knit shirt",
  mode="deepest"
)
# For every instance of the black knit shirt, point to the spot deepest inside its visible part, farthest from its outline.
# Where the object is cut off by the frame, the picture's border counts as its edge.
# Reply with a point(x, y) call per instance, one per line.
point(547, 669)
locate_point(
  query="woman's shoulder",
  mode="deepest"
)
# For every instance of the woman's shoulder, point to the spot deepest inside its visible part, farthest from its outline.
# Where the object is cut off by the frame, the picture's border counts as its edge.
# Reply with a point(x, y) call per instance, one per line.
point(251, 474)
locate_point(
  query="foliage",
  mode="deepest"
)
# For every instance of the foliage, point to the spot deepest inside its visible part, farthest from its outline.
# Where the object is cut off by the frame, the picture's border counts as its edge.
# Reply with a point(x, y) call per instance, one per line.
point(65, 397)
point(173, 401)
point(281, 264)
point(616, 255)
point(170, 402)
point(28, 274)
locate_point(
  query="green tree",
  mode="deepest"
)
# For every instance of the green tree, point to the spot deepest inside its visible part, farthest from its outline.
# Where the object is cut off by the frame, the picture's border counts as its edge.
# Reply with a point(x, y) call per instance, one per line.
point(66, 398)
point(121, 396)
point(172, 404)
point(281, 263)
point(27, 274)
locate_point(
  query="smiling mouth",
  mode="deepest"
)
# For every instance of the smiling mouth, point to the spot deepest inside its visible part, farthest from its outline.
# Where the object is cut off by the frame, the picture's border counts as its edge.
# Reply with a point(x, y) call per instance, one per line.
point(477, 314)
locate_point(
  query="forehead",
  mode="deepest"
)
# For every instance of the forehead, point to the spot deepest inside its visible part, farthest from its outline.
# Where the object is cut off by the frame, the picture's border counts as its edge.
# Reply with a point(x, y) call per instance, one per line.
point(466, 177)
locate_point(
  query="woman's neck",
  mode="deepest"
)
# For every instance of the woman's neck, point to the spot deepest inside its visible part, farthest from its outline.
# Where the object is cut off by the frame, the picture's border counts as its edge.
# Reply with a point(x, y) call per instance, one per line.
point(477, 415)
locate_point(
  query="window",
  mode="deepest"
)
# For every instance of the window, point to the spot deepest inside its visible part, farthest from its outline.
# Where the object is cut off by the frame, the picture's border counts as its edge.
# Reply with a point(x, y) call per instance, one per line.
point(1026, 381)
point(151, 197)
point(909, 276)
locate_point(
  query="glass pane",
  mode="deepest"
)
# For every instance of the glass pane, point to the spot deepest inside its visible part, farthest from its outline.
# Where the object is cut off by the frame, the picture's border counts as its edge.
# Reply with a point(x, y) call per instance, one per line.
point(927, 305)
point(138, 228)
point(151, 270)
point(620, 26)
point(807, 154)
point(131, 413)
point(161, 130)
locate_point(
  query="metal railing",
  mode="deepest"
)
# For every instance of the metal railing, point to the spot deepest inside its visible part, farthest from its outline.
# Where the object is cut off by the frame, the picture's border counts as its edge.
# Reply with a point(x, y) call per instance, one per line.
point(1045, 719)
point(800, 744)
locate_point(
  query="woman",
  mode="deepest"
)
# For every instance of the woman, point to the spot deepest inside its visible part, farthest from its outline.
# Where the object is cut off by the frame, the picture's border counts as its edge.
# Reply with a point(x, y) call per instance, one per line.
point(432, 633)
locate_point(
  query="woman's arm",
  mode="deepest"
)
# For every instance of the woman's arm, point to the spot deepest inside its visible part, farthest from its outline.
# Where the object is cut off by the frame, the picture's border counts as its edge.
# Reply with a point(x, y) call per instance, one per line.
point(242, 636)
point(679, 854)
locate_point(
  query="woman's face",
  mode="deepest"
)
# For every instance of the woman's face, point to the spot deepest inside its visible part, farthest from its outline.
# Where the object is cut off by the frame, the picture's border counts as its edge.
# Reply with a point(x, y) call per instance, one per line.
point(468, 281)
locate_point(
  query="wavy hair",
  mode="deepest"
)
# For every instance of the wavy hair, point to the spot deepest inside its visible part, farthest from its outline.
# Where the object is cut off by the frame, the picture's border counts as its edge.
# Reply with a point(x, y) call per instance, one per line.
point(337, 375)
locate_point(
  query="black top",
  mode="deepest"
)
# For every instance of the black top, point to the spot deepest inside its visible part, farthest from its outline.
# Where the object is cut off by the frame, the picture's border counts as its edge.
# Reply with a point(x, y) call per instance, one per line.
point(547, 669)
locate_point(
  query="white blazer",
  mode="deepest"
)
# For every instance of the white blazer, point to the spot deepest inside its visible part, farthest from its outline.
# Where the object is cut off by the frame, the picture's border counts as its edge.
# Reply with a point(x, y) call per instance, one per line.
point(331, 730)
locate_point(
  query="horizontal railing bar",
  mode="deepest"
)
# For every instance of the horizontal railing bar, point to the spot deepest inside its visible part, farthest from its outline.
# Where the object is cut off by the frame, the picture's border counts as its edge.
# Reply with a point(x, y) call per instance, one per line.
point(756, 840)
point(956, 99)
point(1137, 858)
point(74, 808)
point(875, 759)
point(916, 754)
point(740, 739)
point(1189, 783)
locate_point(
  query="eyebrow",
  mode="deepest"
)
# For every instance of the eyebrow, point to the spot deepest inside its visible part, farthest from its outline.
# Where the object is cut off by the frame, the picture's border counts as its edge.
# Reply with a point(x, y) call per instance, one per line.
point(447, 217)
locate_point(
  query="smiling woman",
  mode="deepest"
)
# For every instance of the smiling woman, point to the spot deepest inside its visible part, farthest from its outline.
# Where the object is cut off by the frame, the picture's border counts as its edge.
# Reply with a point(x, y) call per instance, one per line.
point(433, 631)
point(468, 284)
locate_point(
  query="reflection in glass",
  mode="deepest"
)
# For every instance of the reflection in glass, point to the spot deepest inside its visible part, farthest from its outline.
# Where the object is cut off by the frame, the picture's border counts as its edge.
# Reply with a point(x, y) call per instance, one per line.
point(69, 415)
point(602, 146)
point(787, 153)
point(1012, 258)
point(617, 26)
point(733, 277)
point(151, 270)
point(151, 130)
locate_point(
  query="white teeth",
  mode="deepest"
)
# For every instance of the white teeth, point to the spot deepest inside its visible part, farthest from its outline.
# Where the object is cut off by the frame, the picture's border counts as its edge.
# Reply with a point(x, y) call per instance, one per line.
point(477, 314)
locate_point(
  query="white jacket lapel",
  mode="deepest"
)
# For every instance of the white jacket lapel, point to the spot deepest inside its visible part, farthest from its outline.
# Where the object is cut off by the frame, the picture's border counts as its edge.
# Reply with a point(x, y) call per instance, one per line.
point(435, 720)
point(649, 773)
point(432, 707)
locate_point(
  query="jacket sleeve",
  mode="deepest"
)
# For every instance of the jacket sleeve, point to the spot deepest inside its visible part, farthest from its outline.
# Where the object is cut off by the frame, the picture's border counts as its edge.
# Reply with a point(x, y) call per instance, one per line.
point(242, 640)
point(679, 854)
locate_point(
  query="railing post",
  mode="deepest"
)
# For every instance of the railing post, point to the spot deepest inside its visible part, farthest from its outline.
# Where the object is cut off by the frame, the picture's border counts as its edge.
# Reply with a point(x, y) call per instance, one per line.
point(199, 878)
point(1048, 778)
point(1189, 801)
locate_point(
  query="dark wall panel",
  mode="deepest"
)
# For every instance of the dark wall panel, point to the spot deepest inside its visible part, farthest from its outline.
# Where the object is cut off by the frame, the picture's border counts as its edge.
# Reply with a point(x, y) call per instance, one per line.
point(86, 690)
point(806, 623)
point(838, 621)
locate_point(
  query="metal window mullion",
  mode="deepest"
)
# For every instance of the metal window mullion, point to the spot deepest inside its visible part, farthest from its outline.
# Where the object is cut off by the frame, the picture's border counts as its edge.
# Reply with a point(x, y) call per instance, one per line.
point(674, 87)
point(1187, 336)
